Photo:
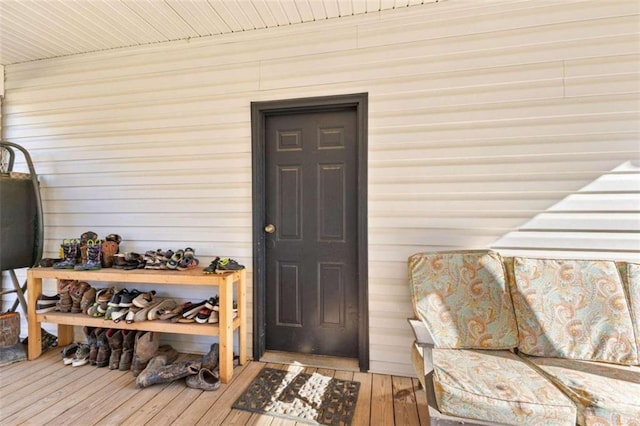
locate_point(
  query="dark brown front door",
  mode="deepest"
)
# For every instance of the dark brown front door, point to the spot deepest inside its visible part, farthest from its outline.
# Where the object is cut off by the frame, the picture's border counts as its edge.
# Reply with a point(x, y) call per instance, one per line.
point(311, 251)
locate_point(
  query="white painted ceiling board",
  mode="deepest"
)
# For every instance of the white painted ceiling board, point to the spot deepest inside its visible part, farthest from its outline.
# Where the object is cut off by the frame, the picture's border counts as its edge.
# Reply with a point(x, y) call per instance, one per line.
point(31, 30)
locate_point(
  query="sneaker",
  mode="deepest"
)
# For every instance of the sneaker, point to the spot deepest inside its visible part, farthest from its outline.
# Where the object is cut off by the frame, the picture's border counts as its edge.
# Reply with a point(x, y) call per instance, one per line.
point(126, 299)
point(47, 303)
point(81, 357)
point(228, 264)
point(192, 311)
point(211, 269)
point(144, 299)
point(202, 317)
point(114, 302)
point(68, 352)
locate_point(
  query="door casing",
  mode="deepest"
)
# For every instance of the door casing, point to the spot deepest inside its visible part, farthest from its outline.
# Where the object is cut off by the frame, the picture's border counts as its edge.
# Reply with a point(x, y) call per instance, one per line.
point(259, 112)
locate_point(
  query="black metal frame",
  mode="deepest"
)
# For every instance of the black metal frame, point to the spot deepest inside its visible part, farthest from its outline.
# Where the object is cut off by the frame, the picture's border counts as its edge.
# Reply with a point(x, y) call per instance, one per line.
point(259, 112)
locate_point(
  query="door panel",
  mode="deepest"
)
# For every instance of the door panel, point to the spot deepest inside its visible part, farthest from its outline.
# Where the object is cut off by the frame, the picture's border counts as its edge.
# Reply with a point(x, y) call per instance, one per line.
point(311, 258)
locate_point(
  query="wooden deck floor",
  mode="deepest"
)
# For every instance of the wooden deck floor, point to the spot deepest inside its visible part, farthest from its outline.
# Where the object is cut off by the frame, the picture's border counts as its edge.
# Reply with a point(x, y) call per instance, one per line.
point(45, 391)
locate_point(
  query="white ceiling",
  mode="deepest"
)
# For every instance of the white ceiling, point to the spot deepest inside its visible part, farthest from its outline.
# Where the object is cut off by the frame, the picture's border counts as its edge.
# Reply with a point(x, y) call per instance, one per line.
point(39, 29)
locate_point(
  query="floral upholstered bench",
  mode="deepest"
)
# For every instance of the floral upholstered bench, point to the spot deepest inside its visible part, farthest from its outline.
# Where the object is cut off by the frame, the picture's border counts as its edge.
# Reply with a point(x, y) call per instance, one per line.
point(526, 341)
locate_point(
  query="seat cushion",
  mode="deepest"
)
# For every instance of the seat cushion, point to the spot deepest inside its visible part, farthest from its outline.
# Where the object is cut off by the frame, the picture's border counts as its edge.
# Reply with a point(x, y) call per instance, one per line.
point(463, 299)
point(605, 394)
point(497, 386)
point(631, 280)
point(573, 309)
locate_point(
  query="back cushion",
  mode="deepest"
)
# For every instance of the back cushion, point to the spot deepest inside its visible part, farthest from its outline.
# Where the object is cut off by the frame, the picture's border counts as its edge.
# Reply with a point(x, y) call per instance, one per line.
point(572, 309)
point(631, 280)
point(463, 299)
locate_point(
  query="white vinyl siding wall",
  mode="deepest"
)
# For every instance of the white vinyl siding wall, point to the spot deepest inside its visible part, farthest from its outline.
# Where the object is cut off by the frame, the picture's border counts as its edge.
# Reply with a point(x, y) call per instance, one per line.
point(506, 124)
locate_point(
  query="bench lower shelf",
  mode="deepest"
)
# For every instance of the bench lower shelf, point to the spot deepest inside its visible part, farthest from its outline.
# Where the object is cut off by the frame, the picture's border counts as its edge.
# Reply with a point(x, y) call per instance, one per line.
point(156, 325)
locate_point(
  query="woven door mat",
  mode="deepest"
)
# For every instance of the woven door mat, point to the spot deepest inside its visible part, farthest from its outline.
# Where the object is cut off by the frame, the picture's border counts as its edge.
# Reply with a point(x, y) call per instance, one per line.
point(309, 398)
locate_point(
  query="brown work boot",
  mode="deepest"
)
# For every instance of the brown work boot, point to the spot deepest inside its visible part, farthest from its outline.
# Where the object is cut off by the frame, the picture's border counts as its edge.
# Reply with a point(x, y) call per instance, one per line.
point(114, 337)
point(104, 352)
point(76, 292)
point(65, 303)
point(90, 335)
point(128, 341)
point(146, 347)
point(88, 298)
point(159, 371)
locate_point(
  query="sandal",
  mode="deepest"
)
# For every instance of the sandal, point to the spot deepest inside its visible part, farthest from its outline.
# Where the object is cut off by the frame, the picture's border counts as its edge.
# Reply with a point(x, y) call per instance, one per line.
point(187, 263)
point(175, 259)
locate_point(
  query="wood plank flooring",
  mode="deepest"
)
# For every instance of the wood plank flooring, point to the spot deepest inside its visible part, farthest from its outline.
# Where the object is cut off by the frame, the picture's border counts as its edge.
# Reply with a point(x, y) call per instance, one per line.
point(45, 392)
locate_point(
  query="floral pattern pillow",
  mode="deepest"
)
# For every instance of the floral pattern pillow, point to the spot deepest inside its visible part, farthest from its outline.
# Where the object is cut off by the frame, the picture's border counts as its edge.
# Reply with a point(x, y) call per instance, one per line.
point(463, 299)
point(573, 309)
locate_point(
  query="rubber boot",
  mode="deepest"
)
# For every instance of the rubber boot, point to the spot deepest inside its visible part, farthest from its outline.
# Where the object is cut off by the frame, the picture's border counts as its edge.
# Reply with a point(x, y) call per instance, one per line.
point(70, 250)
point(92, 342)
point(114, 337)
point(94, 256)
point(128, 341)
point(158, 371)
point(146, 347)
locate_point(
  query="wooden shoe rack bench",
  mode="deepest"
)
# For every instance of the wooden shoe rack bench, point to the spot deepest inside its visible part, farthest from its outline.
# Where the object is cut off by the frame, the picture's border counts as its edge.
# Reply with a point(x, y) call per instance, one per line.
point(194, 277)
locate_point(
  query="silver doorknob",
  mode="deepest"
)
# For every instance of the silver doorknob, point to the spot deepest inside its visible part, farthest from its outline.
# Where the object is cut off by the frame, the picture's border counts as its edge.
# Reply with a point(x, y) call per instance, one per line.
point(270, 229)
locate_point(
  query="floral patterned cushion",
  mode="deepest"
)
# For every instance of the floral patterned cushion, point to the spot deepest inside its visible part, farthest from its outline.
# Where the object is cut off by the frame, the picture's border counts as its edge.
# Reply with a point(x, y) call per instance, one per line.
point(606, 394)
point(497, 386)
point(573, 309)
point(463, 299)
point(631, 279)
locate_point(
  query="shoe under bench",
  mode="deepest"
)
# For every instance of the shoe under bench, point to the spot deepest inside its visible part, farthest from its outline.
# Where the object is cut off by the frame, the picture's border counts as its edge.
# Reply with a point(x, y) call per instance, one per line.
point(193, 277)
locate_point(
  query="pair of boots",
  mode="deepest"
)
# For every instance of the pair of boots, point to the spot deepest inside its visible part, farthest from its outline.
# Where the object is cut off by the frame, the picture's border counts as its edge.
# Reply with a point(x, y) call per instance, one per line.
point(73, 250)
point(99, 350)
point(110, 347)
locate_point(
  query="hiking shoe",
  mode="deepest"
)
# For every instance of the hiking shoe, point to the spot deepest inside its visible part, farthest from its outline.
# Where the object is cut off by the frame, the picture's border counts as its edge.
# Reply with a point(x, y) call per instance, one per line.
point(211, 269)
point(228, 264)
point(81, 357)
point(47, 303)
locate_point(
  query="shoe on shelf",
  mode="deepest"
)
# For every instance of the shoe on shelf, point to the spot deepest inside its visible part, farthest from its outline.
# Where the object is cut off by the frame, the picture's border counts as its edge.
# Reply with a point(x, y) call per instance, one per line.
point(143, 300)
point(94, 257)
point(88, 299)
point(70, 250)
point(175, 259)
point(47, 303)
point(119, 315)
point(161, 308)
point(202, 317)
point(126, 299)
point(228, 264)
point(211, 269)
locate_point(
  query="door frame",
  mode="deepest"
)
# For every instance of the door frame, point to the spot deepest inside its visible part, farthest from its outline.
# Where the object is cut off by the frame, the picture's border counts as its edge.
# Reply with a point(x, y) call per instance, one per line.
point(259, 112)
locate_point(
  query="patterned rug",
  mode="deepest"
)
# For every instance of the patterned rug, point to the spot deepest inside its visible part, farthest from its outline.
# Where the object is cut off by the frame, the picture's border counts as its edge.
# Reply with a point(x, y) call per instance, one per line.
point(310, 398)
